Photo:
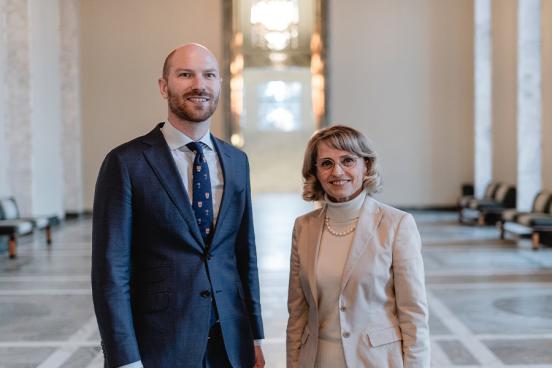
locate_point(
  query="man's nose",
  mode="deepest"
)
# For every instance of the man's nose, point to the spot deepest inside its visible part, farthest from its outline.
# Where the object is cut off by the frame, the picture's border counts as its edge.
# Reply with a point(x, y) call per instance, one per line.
point(198, 83)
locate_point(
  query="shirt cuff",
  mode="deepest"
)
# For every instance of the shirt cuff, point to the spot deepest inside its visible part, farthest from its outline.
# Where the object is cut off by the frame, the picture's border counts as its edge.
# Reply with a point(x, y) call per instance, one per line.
point(137, 364)
point(258, 342)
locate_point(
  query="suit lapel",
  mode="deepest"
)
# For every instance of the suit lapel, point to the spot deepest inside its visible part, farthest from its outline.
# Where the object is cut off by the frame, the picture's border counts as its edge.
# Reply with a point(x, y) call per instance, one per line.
point(312, 250)
point(225, 164)
point(369, 219)
point(160, 160)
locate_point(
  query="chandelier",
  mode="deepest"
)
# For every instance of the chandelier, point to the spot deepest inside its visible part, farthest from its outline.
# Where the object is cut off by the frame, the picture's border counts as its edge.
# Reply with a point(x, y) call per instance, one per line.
point(274, 24)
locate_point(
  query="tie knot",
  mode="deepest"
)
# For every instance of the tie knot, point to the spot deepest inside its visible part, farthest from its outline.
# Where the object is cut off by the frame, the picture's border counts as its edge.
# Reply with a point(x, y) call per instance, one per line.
point(195, 147)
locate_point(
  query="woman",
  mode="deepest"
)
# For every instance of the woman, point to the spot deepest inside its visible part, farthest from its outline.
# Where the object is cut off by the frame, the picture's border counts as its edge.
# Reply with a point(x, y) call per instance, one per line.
point(356, 289)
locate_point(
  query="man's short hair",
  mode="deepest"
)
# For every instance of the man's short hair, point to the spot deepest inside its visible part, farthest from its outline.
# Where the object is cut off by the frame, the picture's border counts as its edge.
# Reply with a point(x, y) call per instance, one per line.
point(167, 65)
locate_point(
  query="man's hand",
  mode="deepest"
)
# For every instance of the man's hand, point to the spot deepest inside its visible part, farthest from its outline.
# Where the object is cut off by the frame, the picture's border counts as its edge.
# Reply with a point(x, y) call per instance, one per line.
point(259, 358)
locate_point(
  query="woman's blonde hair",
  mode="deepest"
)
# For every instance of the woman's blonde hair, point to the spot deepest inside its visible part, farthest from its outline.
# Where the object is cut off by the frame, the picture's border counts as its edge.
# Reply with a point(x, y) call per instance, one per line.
point(342, 138)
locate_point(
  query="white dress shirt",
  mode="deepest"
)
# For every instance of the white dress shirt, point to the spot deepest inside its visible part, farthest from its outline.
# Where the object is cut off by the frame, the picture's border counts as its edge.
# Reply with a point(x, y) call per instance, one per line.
point(184, 159)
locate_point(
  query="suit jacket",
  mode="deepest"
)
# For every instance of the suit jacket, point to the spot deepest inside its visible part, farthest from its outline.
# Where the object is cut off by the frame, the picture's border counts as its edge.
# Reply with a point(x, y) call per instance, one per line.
point(153, 276)
point(383, 308)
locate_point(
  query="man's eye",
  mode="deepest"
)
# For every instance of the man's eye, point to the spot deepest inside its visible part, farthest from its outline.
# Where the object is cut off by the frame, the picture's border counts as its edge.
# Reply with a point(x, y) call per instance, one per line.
point(184, 74)
point(211, 75)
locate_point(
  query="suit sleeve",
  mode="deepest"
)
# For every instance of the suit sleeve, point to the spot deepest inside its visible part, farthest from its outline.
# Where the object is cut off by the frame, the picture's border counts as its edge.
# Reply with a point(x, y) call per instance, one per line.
point(297, 307)
point(111, 262)
point(408, 272)
point(246, 254)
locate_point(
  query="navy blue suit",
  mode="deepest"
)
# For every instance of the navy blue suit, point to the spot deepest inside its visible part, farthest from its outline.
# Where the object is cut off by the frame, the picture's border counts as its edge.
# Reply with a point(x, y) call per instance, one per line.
point(153, 276)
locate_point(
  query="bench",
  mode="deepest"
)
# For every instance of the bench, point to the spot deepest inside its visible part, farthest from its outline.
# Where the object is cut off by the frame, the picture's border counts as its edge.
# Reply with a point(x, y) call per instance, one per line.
point(14, 226)
point(488, 210)
point(536, 224)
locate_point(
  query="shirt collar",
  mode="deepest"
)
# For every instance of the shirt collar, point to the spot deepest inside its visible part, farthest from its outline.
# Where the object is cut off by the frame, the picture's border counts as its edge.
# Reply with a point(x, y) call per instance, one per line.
point(176, 139)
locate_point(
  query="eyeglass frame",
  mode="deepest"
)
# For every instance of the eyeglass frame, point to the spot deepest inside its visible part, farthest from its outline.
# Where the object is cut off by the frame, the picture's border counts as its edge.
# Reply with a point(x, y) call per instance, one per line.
point(343, 166)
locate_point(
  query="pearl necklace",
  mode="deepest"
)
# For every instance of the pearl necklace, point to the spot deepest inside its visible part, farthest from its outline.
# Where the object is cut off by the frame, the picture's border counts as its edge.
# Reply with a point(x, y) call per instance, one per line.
point(340, 233)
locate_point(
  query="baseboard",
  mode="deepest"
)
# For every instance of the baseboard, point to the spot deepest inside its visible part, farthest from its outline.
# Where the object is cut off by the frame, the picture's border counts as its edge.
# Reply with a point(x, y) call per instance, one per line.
point(78, 215)
point(452, 208)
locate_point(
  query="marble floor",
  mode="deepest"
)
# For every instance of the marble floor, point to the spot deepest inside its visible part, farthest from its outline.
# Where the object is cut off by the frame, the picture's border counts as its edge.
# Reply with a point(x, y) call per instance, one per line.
point(490, 300)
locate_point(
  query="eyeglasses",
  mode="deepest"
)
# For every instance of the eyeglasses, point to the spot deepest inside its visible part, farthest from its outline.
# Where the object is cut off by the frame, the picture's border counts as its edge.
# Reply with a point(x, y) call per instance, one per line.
point(346, 162)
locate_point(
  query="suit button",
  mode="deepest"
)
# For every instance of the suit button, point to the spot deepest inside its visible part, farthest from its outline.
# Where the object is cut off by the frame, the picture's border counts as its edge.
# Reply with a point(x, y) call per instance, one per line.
point(346, 334)
point(209, 257)
point(343, 309)
point(205, 294)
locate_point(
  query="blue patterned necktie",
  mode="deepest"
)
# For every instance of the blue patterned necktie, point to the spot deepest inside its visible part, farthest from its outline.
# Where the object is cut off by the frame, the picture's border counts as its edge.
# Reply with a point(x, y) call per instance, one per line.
point(202, 201)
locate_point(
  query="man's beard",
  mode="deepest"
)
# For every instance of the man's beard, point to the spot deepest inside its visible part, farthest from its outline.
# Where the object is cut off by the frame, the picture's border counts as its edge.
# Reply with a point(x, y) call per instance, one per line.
point(181, 107)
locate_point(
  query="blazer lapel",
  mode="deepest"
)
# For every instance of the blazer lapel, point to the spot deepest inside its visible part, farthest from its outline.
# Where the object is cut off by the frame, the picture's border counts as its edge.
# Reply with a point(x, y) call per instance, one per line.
point(160, 159)
point(369, 219)
point(313, 247)
point(225, 164)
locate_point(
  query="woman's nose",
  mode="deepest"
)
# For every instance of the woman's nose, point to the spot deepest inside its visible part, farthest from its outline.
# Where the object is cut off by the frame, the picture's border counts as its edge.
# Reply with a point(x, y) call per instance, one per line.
point(337, 169)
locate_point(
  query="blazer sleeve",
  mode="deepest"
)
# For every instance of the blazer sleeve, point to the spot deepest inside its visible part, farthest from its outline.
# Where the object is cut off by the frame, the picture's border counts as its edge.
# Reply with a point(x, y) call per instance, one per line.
point(297, 307)
point(246, 254)
point(408, 272)
point(111, 262)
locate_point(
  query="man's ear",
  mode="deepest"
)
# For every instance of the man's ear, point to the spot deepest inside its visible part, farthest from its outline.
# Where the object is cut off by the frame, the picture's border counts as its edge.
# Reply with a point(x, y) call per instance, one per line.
point(163, 87)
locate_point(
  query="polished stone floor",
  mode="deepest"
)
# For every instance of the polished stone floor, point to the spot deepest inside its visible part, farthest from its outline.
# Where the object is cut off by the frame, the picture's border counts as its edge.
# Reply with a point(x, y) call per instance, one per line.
point(490, 300)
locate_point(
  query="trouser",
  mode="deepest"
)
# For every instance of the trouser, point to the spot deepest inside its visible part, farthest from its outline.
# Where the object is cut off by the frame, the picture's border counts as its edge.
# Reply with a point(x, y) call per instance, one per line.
point(215, 356)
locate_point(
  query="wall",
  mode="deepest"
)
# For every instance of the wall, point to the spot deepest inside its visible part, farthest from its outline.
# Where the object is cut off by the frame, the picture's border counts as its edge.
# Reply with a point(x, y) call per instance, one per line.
point(408, 86)
point(123, 46)
point(504, 39)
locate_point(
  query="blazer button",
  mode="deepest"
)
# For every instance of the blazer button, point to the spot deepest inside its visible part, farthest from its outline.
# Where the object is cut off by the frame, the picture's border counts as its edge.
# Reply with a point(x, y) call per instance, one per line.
point(343, 309)
point(209, 257)
point(346, 334)
point(205, 294)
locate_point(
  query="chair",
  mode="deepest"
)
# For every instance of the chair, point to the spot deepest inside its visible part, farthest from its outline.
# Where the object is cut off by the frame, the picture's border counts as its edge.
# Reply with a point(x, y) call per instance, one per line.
point(468, 194)
point(488, 210)
point(537, 224)
point(541, 204)
point(12, 225)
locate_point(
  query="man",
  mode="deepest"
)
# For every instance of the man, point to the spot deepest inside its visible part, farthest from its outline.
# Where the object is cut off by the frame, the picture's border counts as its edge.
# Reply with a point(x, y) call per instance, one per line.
point(174, 268)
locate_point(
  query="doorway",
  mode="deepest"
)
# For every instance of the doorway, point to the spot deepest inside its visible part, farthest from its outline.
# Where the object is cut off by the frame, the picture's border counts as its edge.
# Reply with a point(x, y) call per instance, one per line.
point(276, 78)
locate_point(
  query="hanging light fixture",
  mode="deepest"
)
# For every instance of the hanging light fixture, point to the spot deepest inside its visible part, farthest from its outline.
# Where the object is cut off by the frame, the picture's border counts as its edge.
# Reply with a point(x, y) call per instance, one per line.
point(274, 24)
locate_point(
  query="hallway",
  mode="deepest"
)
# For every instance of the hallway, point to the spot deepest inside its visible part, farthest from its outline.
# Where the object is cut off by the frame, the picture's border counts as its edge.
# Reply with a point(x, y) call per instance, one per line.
point(490, 300)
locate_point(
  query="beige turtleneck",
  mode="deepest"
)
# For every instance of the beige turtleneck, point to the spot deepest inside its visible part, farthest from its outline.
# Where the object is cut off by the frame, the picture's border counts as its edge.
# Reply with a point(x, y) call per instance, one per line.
point(331, 260)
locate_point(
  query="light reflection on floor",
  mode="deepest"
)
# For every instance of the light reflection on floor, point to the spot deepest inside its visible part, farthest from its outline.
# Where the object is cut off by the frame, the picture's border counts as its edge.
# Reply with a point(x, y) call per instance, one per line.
point(490, 300)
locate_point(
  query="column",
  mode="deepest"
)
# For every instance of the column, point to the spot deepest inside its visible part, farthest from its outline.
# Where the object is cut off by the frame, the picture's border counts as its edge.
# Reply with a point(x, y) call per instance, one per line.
point(528, 103)
point(17, 129)
point(483, 97)
point(4, 153)
point(71, 105)
point(47, 167)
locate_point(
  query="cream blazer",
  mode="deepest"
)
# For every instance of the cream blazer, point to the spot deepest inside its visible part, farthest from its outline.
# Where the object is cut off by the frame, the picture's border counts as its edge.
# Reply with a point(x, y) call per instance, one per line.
point(382, 303)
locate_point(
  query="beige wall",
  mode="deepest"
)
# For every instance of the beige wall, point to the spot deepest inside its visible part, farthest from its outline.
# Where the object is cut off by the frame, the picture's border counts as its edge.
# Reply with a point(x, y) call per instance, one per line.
point(408, 85)
point(123, 46)
point(504, 50)
point(547, 94)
